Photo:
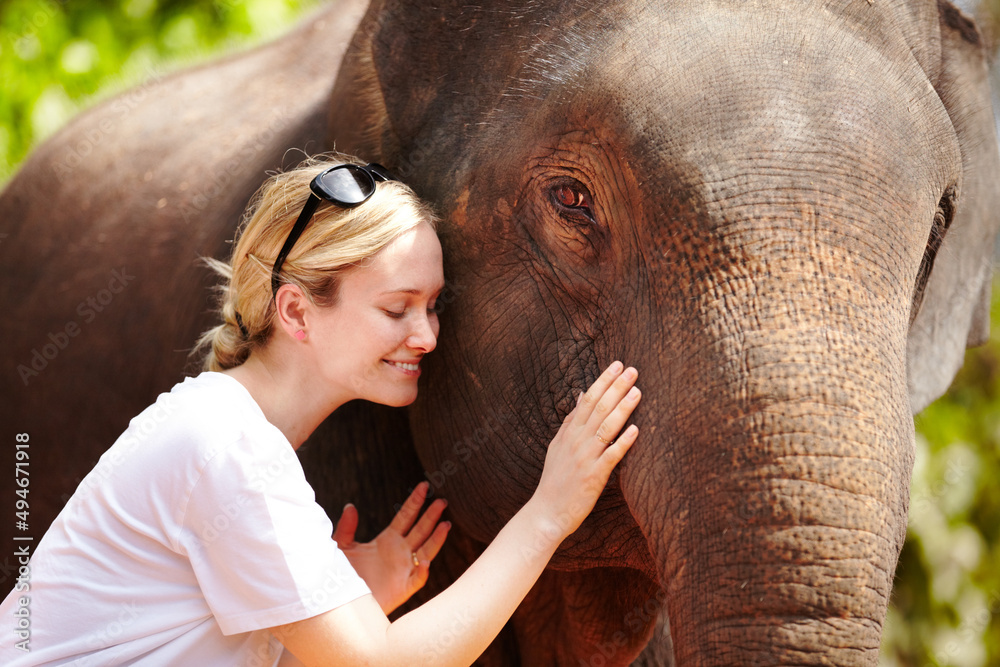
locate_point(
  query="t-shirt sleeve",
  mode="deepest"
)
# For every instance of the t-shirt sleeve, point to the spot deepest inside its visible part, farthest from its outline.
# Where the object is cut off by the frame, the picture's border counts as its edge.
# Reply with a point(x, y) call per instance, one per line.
point(260, 546)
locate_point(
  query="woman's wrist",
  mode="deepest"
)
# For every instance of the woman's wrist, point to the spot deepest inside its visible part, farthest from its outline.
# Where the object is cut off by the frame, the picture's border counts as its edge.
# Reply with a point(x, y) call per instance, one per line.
point(545, 527)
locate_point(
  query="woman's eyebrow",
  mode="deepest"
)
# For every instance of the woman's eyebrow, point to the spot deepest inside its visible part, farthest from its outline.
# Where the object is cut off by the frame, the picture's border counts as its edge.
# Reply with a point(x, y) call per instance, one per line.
point(411, 290)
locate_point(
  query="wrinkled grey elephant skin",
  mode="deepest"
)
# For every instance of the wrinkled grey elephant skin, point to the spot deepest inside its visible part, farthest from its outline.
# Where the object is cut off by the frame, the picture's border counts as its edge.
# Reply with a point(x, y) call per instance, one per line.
point(782, 216)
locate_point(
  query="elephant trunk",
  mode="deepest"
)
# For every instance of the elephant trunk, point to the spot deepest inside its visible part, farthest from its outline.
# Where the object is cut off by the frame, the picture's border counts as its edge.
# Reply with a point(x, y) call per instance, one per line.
point(773, 487)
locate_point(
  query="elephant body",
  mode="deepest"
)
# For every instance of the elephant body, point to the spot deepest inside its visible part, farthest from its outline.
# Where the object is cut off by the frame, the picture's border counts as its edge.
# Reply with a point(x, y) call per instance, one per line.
point(784, 218)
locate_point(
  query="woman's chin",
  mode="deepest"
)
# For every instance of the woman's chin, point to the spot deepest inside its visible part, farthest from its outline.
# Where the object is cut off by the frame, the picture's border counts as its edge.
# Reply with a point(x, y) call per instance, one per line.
point(400, 401)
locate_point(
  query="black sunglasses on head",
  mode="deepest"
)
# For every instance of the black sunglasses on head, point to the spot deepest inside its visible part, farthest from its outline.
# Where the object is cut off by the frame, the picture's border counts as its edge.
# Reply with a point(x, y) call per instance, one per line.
point(347, 186)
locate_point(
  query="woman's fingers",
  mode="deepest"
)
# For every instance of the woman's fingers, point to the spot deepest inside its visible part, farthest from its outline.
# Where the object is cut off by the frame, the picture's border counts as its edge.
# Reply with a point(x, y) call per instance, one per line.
point(624, 399)
point(616, 451)
point(423, 529)
point(591, 398)
point(615, 392)
point(407, 514)
point(606, 406)
point(347, 525)
point(427, 551)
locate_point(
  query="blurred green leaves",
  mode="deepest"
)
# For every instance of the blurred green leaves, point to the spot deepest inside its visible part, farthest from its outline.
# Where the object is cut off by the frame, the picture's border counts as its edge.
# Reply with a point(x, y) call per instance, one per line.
point(946, 602)
point(57, 58)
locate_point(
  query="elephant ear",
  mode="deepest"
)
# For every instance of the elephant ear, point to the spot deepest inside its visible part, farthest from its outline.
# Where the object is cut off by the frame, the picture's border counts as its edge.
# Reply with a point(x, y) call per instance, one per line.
point(952, 310)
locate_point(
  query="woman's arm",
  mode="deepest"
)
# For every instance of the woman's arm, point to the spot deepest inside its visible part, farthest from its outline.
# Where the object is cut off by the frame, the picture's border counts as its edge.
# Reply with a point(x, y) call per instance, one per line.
point(456, 626)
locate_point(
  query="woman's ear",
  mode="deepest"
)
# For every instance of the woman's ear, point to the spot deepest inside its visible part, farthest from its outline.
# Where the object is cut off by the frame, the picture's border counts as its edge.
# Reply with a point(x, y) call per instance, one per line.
point(954, 309)
point(292, 305)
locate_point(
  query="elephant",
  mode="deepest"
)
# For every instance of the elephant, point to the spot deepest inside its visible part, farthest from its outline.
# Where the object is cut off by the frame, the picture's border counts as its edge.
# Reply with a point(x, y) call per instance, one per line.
point(784, 217)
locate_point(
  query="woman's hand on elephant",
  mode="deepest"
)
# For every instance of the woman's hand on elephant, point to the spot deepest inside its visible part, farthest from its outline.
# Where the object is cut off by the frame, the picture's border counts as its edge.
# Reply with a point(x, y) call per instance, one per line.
point(387, 563)
point(577, 466)
point(579, 459)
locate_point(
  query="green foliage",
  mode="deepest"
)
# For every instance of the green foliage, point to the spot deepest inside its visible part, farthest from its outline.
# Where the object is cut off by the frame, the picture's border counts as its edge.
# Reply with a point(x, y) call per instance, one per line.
point(57, 58)
point(946, 602)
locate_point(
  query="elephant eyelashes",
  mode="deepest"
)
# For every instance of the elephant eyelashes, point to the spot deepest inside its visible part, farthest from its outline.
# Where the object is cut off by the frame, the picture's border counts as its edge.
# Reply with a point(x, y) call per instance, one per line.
point(942, 221)
point(577, 229)
point(573, 199)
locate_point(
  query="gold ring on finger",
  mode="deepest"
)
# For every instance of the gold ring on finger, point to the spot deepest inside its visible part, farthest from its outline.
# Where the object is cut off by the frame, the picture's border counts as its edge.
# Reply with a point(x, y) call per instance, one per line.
point(416, 561)
point(606, 442)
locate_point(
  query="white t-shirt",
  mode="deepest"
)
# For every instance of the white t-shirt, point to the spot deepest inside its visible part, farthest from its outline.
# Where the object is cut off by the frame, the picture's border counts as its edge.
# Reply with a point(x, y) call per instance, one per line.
point(195, 532)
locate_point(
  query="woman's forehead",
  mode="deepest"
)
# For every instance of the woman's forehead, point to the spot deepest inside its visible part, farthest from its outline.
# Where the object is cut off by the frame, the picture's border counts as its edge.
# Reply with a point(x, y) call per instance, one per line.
point(411, 264)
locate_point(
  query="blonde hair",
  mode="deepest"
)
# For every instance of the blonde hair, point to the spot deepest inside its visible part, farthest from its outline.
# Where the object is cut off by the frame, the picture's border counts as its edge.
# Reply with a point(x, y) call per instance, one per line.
point(334, 241)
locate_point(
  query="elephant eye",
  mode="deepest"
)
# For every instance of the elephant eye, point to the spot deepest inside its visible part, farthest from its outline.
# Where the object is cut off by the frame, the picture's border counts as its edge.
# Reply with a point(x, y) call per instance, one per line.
point(572, 198)
point(567, 196)
point(576, 227)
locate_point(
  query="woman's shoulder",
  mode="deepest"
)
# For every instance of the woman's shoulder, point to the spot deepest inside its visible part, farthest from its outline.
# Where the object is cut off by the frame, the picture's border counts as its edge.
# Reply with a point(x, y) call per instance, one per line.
point(209, 392)
point(200, 416)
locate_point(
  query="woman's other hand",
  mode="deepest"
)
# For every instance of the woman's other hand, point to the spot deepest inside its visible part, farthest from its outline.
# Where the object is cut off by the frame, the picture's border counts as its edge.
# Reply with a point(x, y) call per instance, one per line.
point(579, 459)
point(387, 562)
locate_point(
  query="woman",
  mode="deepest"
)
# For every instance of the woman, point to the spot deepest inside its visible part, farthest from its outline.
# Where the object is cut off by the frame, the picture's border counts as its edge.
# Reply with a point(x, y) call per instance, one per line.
point(197, 540)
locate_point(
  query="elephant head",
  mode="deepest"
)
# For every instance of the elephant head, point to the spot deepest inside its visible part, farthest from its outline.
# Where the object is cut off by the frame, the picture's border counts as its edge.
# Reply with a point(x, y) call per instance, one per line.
point(784, 217)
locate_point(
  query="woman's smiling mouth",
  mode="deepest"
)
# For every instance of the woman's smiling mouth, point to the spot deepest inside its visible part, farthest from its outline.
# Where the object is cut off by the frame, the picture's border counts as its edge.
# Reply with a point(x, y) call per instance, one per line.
point(408, 368)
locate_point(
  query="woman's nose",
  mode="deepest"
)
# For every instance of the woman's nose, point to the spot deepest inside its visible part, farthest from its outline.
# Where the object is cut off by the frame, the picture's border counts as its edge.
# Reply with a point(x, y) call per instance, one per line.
point(424, 337)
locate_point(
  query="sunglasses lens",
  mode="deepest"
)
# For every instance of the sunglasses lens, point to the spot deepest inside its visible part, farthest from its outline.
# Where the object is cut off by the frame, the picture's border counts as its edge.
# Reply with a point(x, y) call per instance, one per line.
point(347, 185)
